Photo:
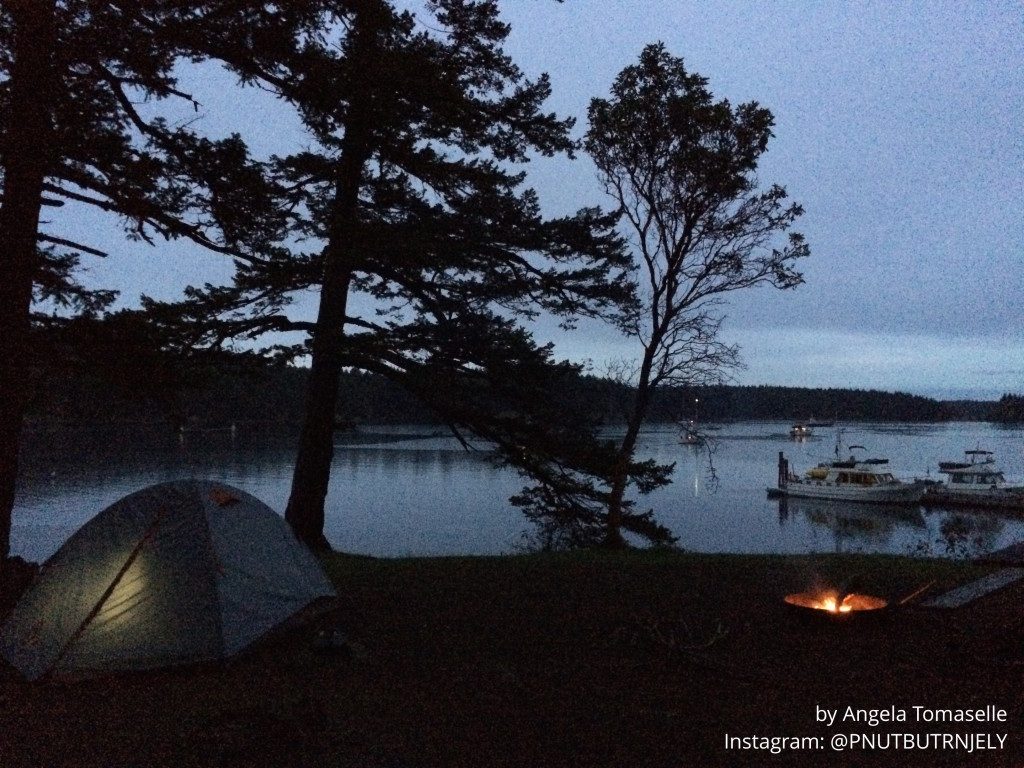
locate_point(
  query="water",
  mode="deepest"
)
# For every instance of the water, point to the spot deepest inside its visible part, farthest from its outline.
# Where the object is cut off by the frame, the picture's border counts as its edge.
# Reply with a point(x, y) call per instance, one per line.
point(407, 491)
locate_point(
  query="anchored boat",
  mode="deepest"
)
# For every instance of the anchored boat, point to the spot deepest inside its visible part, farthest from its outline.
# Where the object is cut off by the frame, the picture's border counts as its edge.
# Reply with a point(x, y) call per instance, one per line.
point(975, 482)
point(855, 479)
point(690, 435)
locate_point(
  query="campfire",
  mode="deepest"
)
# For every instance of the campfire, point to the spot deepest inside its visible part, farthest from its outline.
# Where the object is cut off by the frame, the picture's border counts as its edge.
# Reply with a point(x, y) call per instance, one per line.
point(832, 602)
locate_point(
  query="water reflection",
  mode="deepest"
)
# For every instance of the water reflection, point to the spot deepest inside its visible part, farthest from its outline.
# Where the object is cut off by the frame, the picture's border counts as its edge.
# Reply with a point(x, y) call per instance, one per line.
point(411, 490)
point(399, 493)
point(853, 526)
point(878, 527)
point(968, 533)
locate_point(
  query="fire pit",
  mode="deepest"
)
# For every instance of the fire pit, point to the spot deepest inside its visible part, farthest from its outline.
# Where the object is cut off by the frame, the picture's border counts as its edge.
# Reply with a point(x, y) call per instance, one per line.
point(829, 604)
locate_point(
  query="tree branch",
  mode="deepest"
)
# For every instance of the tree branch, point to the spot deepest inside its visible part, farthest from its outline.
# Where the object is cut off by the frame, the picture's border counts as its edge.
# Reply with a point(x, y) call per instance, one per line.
point(70, 244)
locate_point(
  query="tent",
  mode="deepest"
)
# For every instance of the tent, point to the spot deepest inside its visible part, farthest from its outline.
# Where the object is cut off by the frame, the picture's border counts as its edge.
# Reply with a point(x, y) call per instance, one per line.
point(175, 573)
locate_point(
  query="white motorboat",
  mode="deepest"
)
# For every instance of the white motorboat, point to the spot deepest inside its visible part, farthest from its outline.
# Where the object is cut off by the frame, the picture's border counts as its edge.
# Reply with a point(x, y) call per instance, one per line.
point(856, 480)
point(975, 482)
point(801, 430)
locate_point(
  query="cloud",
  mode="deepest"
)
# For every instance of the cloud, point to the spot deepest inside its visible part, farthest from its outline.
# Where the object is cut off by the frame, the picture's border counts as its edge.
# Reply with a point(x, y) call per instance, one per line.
point(917, 363)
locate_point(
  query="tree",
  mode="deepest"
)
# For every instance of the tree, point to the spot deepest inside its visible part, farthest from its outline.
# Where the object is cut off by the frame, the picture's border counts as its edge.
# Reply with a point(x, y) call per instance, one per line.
point(1009, 409)
point(412, 205)
point(26, 157)
point(71, 72)
point(680, 167)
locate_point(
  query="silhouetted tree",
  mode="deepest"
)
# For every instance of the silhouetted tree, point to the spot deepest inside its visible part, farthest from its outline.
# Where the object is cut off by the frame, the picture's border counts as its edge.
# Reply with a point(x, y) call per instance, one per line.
point(26, 157)
point(71, 72)
point(681, 166)
point(411, 201)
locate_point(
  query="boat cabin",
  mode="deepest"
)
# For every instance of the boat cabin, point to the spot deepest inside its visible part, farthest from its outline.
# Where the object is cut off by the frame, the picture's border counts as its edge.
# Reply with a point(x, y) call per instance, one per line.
point(979, 471)
point(983, 476)
point(850, 473)
point(864, 478)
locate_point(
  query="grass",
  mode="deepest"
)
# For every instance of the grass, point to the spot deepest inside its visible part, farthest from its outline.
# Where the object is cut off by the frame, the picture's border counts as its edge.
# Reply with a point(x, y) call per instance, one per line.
point(583, 659)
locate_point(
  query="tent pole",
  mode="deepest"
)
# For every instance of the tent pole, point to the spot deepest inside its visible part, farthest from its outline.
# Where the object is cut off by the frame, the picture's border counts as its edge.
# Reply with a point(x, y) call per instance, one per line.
point(146, 537)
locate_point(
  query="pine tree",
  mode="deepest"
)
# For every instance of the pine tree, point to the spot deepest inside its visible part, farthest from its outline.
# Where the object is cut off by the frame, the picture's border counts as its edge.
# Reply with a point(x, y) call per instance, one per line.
point(413, 202)
point(71, 72)
point(26, 158)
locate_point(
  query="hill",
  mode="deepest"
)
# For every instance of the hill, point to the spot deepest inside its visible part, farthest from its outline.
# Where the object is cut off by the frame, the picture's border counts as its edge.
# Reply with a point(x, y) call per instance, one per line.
point(245, 391)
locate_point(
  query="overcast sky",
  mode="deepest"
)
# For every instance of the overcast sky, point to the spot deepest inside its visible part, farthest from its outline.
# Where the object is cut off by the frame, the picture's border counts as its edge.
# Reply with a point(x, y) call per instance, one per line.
point(899, 127)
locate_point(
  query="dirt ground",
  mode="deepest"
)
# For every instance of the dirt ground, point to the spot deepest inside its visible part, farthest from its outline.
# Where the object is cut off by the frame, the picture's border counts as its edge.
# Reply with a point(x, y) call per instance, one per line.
point(610, 659)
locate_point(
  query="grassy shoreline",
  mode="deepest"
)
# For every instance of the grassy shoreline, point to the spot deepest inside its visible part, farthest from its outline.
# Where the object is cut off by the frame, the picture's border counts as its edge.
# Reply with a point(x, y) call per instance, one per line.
point(589, 658)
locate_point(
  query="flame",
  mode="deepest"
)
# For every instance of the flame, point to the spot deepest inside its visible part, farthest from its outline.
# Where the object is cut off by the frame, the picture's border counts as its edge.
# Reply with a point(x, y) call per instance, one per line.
point(829, 601)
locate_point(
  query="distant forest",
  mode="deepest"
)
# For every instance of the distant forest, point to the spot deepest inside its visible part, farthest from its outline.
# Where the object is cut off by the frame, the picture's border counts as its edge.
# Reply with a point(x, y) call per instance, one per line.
point(273, 395)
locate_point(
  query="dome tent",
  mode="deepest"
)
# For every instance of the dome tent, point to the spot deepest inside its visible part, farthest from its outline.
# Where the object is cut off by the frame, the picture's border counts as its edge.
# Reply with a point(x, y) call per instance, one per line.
point(175, 573)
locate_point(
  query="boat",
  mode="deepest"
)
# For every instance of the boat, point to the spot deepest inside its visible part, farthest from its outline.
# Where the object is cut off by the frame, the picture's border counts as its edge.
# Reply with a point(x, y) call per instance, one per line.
point(800, 430)
point(690, 435)
point(975, 482)
point(854, 479)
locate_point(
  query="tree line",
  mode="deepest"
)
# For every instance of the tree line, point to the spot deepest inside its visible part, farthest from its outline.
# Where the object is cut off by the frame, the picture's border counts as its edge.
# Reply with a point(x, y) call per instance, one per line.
point(1009, 409)
point(250, 392)
point(405, 211)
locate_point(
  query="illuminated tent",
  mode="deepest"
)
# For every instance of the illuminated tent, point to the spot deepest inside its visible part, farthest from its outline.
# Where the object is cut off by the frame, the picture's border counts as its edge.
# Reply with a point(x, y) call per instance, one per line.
point(178, 572)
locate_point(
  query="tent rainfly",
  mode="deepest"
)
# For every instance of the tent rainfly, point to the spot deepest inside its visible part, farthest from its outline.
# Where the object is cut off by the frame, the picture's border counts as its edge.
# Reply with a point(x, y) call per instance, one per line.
point(176, 573)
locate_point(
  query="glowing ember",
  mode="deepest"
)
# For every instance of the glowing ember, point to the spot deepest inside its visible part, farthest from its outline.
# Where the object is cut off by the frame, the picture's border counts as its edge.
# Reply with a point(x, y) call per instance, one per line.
point(829, 601)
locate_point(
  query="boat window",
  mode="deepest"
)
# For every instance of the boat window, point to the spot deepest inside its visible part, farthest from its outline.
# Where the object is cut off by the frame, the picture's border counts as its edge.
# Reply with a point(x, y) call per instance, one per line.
point(958, 478)
point(843, 477)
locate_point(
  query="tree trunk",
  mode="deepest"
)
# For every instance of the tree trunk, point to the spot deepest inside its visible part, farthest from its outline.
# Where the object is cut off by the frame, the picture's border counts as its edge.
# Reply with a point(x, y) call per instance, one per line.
point(620, 472)
point(305, 512)
point(310, 480)
point(26, 154)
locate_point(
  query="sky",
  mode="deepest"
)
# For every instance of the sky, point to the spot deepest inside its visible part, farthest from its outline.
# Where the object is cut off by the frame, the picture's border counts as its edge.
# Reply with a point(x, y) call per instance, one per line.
point(898, 126)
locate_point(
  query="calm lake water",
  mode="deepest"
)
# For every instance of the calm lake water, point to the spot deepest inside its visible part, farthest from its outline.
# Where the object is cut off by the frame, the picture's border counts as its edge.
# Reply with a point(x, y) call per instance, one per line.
point(407, 491)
